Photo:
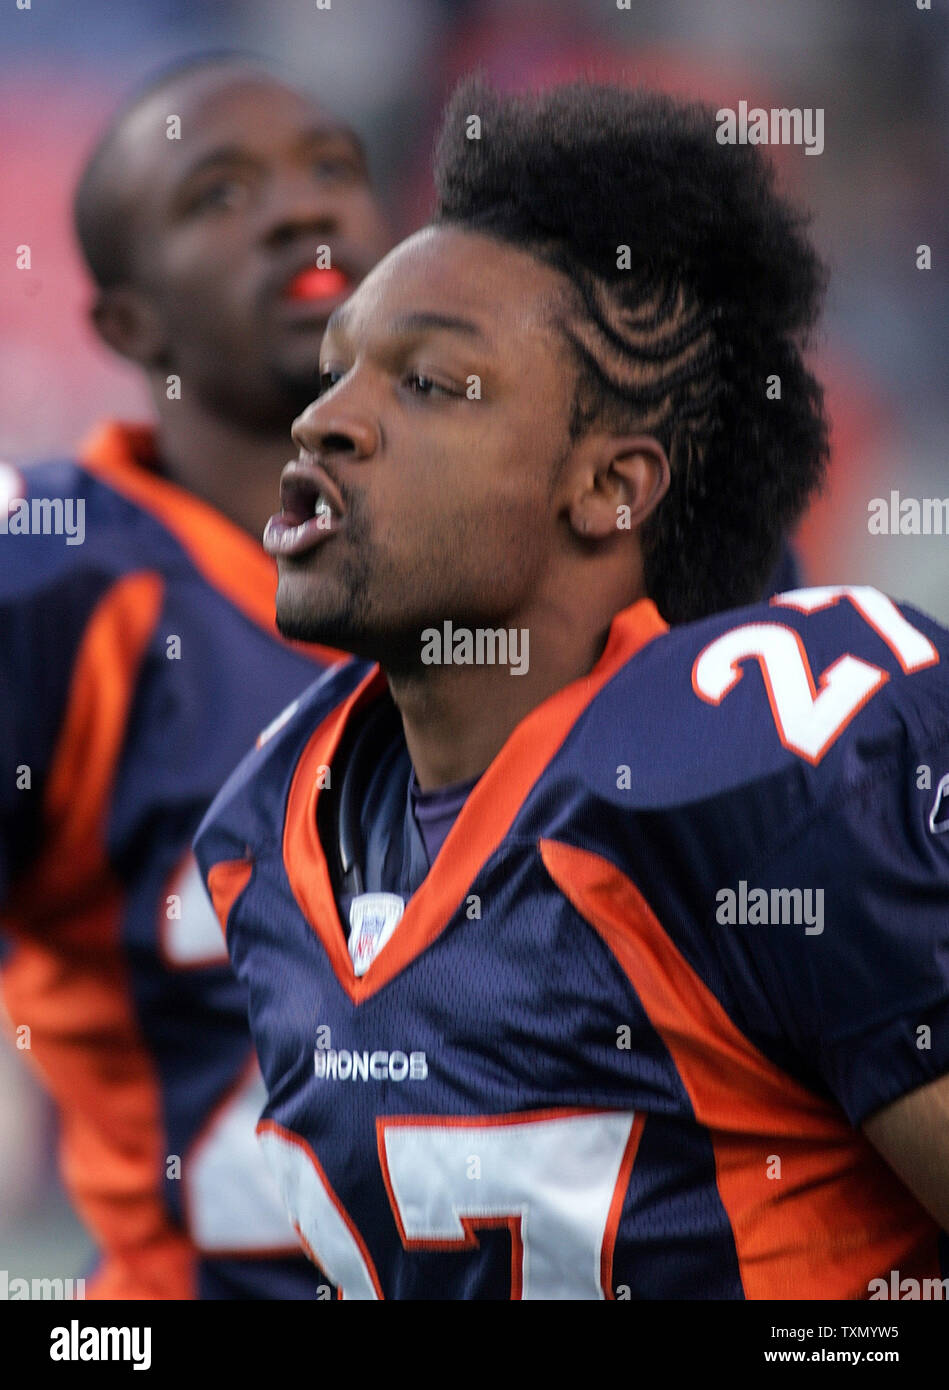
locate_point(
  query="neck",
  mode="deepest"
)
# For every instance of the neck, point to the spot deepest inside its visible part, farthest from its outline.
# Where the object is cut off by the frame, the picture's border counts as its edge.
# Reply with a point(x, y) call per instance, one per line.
point(235, 471)
point(458, 717)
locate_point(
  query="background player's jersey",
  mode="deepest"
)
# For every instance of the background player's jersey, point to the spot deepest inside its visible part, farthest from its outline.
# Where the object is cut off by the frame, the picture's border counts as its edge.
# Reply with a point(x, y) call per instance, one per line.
point(135, 669)
point(689, 930)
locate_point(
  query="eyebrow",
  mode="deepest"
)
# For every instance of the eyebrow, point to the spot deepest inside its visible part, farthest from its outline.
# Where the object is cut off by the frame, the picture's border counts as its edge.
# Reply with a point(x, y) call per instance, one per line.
point(235, 154)
point(422, 321)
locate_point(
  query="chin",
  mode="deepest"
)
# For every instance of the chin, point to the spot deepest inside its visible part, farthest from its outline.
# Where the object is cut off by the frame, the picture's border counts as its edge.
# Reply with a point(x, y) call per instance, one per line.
point(307, 616)
point(301, 623)
point(304, 622)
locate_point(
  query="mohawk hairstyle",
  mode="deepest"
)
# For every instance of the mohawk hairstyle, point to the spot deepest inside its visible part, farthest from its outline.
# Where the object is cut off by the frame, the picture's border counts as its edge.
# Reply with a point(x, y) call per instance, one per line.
point(722, 289)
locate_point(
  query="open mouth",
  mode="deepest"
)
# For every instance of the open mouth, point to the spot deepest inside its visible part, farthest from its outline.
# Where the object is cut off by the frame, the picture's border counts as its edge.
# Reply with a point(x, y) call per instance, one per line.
point(310, 512)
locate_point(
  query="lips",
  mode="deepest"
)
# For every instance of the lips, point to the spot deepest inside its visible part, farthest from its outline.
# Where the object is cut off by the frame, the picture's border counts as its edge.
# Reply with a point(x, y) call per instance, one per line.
point(311, 511)
point(316, 286)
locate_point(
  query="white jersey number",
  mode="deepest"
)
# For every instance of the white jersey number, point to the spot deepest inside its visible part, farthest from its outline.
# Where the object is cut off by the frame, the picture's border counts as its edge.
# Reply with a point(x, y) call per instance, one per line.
point(809, 717)
point(557, 1182)
point(230, 1198)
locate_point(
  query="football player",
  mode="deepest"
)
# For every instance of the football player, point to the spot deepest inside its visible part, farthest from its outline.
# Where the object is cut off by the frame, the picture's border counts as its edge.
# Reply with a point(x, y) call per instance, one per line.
point(223, 216)
point(597, 938)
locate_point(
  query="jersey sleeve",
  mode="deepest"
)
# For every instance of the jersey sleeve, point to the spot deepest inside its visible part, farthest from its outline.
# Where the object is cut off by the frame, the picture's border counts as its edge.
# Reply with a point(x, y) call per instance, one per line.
point(860, 985)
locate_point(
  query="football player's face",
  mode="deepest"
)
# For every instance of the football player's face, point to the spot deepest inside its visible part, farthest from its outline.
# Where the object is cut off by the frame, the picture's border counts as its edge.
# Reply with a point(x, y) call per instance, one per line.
point(442, 419)
point(228, 225)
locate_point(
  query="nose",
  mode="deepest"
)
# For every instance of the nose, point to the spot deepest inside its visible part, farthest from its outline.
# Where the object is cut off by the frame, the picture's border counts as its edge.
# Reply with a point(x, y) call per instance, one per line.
point(298, 203)
point(326, 429)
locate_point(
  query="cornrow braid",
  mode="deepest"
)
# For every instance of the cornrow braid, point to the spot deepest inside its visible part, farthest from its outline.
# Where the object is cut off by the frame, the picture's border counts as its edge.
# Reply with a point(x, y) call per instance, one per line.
point(722, 287)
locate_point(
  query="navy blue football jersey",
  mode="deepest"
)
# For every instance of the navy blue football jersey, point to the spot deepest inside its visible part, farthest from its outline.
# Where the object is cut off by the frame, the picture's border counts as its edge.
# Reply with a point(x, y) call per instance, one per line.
point(689, 930)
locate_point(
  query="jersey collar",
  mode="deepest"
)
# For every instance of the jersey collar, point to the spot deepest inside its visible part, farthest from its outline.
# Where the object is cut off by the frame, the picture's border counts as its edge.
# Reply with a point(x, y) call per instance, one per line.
point(124, 456)
point(482, 823)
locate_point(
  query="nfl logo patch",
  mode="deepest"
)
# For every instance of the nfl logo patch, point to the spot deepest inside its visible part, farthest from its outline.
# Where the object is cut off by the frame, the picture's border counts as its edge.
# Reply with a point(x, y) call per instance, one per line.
point(373, 917)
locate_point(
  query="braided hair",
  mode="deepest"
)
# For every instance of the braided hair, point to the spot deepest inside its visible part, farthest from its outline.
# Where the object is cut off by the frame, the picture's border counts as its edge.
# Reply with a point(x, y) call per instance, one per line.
point(690, 282)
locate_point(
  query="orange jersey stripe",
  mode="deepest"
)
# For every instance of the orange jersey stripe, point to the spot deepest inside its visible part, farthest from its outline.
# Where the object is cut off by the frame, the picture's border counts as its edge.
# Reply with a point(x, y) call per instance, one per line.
point(837, 1217)
point(226, 882)
point(79, 781)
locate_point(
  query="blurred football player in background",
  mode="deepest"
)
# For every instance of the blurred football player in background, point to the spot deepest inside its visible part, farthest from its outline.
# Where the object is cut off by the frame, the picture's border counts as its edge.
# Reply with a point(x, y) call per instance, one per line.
point(223, 216)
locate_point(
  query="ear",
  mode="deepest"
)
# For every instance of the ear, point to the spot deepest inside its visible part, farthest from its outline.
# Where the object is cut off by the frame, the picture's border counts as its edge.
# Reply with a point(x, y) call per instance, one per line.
point(127, 322)
point(620, 479)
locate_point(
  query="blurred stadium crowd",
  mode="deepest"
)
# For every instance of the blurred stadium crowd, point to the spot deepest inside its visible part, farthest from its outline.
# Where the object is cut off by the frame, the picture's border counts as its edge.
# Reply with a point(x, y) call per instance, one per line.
point(878, 191)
